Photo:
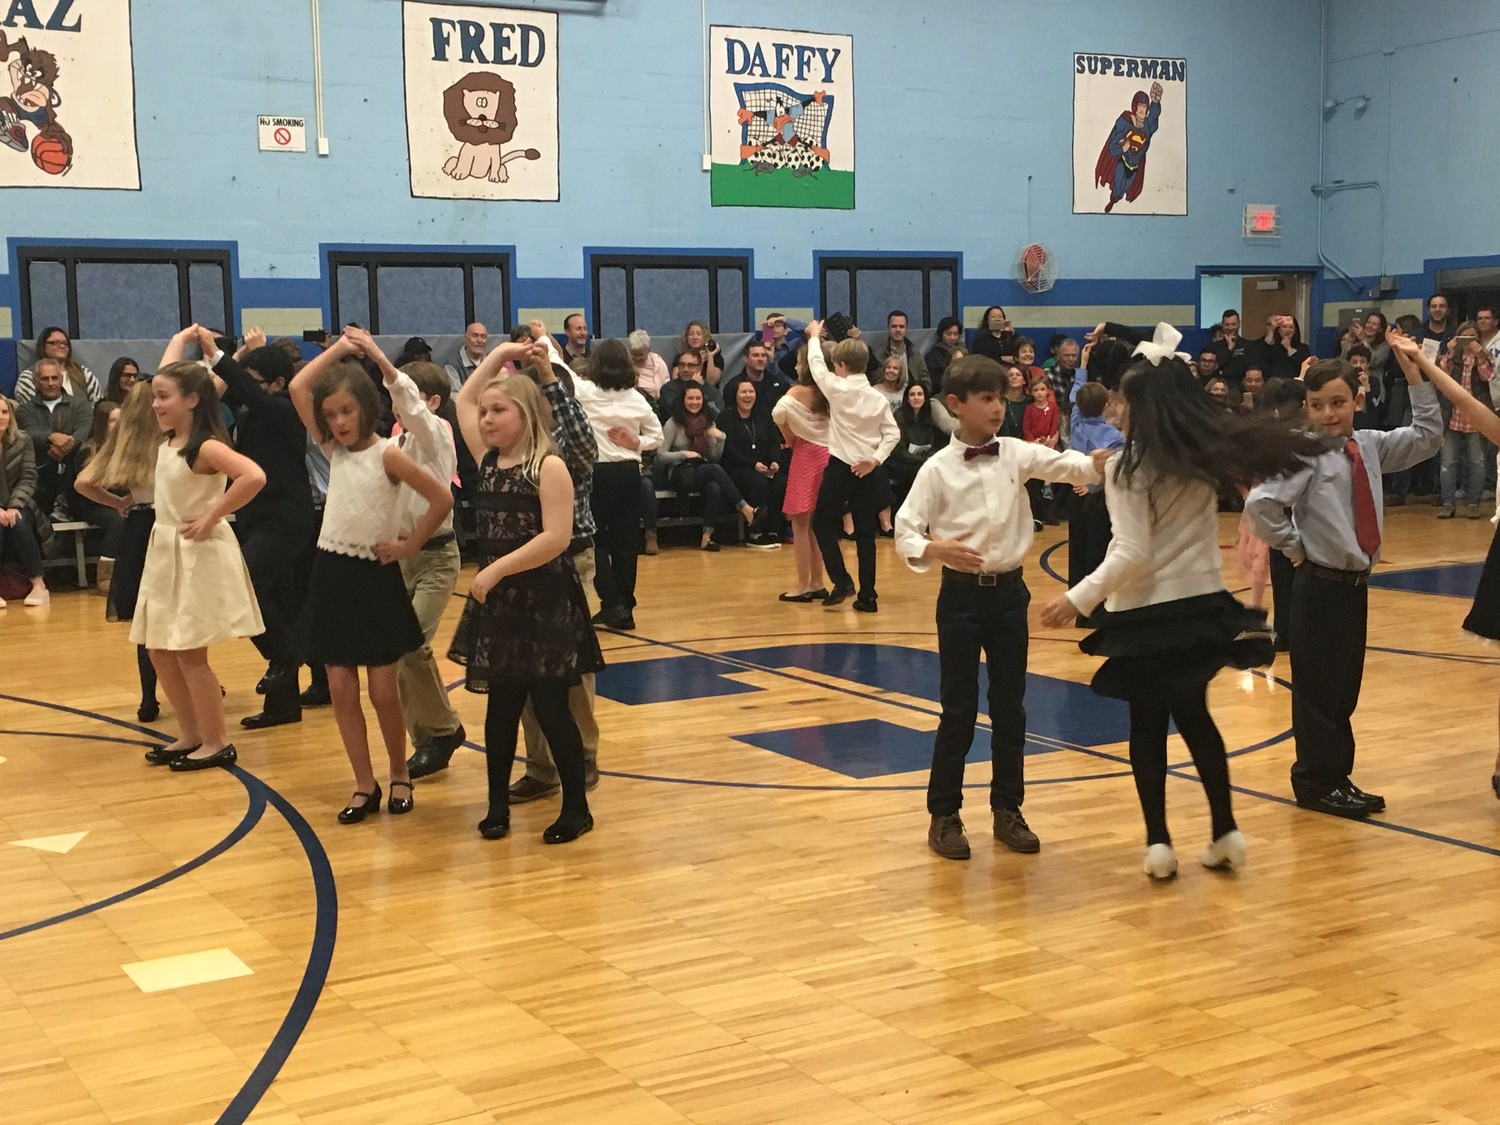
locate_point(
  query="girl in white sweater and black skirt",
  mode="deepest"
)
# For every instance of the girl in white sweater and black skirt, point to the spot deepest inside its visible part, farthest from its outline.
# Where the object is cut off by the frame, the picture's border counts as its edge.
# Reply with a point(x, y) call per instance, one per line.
point(1169, 624)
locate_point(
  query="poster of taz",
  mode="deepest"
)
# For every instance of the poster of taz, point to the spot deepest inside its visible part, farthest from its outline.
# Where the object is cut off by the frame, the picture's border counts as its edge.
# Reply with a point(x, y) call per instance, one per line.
point(781, 111)
point(67, 95)
point(481, 101)
point(1129, 135)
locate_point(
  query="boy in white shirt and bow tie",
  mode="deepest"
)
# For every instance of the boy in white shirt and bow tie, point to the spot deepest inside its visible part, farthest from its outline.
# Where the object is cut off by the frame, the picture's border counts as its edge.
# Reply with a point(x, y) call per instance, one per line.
point(968, 510)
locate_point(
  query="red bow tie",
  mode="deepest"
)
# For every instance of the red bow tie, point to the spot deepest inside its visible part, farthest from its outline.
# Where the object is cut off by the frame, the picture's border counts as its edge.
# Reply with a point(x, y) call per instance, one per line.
point(990, 450)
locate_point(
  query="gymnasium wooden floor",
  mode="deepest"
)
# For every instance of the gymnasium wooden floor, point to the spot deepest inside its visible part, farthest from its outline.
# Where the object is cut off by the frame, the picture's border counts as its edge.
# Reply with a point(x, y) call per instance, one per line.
point(756, 931)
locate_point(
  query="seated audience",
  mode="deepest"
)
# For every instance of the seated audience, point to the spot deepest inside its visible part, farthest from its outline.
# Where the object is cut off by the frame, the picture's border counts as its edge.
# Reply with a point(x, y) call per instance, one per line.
point(476, 344)
point(1252, 382)
point(687, 370)
point(950, 335)
point(892, 381)
point(1016, 401)
point(993, 337)
point(920, 439)
point(57, 424)
point(1062, 376)
point(22, 526)
point(688, 461)
point(696, 335)
point(770, 384)
point(415, 350)
point(576, 343)
point(756, 462)
point(78, 380)
point(108, 518)
point(1218, 388)
point(1026, 359)
point(123, 374)
point(787, 338)
point(895, 343)
point(651, 372)
point(1039, 425)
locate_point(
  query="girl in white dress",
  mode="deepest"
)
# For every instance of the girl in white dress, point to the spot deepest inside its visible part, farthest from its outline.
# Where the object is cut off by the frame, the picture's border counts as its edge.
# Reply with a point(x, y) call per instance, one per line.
point(195, 590)
point(357, 611)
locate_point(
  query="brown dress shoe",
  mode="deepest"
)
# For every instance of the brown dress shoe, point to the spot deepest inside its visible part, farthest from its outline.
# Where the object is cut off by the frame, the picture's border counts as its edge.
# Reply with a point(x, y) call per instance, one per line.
point(1012, 831)
point(530, 789)
point(946, 837)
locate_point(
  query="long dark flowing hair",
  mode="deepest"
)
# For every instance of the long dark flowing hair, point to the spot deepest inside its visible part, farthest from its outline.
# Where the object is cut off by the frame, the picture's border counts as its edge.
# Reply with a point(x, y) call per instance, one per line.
point(1179, 435)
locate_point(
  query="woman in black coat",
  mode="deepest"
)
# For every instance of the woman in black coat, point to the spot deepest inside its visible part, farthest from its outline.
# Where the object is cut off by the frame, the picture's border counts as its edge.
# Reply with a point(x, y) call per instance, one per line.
point(920, 439)
point(755, 461)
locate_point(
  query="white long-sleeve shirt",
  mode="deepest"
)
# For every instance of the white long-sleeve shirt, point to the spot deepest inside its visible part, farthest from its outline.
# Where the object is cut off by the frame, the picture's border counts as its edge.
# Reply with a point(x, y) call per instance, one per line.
point(984, 498)
point(628, 409)
point(1176, 555)
point(860, 422)
point(428, 441)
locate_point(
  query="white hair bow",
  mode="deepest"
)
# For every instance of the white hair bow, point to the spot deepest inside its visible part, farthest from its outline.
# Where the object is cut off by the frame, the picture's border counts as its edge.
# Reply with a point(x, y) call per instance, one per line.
point(1161, 345)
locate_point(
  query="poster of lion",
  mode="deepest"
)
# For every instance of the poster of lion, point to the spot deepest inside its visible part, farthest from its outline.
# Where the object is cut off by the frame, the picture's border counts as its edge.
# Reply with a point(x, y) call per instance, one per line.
point(481, 101)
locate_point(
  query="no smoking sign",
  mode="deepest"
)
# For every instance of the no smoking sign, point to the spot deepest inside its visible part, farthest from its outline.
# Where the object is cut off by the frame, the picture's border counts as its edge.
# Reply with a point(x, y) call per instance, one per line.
point(283, 134)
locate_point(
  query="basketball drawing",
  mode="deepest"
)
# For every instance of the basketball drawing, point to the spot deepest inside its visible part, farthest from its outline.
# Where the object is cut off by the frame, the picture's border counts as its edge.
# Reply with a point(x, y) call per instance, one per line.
point(50, 155)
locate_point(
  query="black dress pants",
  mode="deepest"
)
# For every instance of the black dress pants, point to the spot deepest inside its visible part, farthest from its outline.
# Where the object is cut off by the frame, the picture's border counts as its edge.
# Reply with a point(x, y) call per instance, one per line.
point(864, 497)
point(616, 501)
point(271, 547)
point(1329, 622)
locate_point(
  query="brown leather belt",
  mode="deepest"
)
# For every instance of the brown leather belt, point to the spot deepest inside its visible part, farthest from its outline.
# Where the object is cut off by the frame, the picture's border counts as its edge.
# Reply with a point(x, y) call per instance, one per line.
point(1347, 577)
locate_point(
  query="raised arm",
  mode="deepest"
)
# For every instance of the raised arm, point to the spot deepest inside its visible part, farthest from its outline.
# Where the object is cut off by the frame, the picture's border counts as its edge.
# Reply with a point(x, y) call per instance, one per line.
point(177, 345)
point(1410, 356)
point(305, 380)
point(236, 385)
point(466, 405)
point(425, 427)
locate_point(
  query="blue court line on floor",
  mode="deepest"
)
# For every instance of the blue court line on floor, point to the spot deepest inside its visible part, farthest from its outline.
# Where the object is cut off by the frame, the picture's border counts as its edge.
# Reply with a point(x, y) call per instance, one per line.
point(84, 737)
point(1450, 657)
point(325, 927)
point(1045, 562)
point(255, 808)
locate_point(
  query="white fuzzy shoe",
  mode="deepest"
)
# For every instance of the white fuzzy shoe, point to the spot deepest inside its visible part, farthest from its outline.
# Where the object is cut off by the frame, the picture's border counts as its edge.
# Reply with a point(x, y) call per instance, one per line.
point(1160, 862)
point(2, 603)
point(1227, 853)
point(38, 597)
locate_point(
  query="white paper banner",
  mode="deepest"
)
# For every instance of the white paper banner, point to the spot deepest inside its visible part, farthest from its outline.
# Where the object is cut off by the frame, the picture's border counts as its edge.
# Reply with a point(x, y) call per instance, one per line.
point(67, 95)
point(481, 101)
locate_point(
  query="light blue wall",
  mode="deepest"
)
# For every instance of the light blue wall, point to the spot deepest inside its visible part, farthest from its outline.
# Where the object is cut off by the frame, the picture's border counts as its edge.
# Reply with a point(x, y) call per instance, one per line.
point(958, 104)
point(1432, 73)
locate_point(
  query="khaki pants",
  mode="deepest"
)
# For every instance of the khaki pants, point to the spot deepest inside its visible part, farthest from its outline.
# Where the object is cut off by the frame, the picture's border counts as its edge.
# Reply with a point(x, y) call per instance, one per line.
point(580, 703)
point(430, 578)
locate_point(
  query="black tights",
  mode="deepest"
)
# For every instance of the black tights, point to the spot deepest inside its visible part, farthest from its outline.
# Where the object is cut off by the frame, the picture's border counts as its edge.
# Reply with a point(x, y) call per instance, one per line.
point(502, 718)
point(1187, 705)
point(147, 671)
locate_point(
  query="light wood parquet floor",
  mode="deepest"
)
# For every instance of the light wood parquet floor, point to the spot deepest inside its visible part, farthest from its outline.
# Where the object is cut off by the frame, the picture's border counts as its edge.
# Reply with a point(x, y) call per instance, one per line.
point(748, 936)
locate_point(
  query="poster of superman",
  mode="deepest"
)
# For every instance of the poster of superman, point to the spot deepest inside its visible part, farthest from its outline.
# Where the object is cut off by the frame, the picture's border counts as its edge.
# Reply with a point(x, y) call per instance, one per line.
point(1129, 135)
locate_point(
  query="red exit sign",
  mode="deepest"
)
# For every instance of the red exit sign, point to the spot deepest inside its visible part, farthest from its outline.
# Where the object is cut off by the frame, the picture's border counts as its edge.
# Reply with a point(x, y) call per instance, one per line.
point(1262, 221)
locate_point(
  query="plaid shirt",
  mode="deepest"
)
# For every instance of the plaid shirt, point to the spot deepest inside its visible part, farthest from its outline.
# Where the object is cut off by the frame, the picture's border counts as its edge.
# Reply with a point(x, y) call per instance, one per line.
point(575, 441)
point(1460, 422)
point(1060, 379)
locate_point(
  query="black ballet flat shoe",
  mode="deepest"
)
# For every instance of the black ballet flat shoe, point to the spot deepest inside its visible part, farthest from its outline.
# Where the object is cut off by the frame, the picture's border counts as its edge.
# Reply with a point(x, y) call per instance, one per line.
point(224, 758)
point(353, 814)
point(161, 756)
point(564, 831)
point(398, 805)
point(803, 598)
point(149, 711)
point(494, 827)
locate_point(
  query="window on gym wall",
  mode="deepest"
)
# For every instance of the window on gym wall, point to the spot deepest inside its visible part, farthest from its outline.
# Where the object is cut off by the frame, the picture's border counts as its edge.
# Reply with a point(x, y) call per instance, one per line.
point(662, 292)
point(416, 293)
point(123, 293)
point(867, 289)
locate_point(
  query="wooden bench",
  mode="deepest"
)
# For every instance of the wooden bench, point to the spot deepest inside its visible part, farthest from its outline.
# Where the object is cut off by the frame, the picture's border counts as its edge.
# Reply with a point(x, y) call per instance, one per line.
point(691, 513)
point(78, 529)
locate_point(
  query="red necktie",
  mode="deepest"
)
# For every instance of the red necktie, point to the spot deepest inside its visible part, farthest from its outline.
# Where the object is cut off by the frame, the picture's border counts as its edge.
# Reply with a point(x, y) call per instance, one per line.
point(1366, 522)
point(990, 450)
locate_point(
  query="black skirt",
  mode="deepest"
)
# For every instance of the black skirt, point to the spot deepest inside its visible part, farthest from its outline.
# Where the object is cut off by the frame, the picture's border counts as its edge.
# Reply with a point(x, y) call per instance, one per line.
point(1484, 615)
point(1183, 642)
point(130, 563)
point(357, 613)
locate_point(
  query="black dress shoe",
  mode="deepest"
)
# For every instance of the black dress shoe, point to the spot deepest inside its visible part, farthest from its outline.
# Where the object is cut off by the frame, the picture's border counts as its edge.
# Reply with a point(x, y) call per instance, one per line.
point(315, 696)
point(866, 605)
point(260, 684)
point(426, 762)
point(1374, 800)
point(353, 814)
point(398, 805)
point(223, 757)
point(624, 624)
point(269, 718)
point(1495, 784)
point(1336, 802)
point(447, 743)
point(566, 829)
point(495, 827)
point(838, 595)
point(149, 711)
point(161, 756)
